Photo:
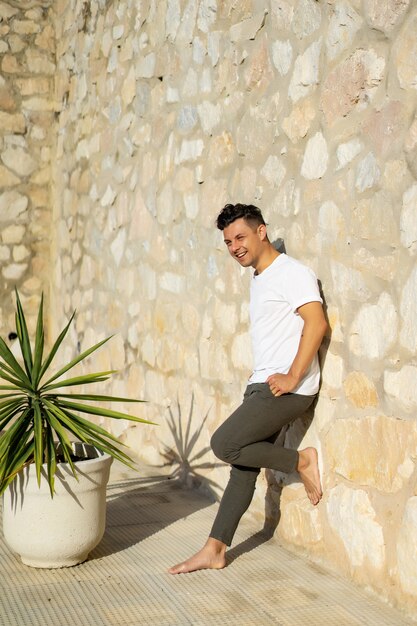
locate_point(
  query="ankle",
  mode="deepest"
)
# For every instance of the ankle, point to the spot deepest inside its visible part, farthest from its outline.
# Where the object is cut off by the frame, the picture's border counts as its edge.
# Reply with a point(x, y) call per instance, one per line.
point(216, 546)
point(303, 460)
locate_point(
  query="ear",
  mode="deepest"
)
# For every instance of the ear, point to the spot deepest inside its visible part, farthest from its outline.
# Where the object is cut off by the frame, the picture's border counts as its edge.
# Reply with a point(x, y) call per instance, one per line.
point(262, 232)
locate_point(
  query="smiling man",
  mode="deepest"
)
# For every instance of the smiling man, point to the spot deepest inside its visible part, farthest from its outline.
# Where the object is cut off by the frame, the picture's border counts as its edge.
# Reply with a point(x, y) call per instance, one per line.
point(287, 328)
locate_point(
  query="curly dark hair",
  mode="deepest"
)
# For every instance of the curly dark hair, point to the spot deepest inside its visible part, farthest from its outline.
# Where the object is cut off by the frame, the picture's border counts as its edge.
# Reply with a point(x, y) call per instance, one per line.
point(232, 212)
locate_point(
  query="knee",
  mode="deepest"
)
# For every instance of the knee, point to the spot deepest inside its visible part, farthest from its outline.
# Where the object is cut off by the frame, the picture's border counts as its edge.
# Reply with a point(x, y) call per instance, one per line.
point(217, 445)
point(222, 447)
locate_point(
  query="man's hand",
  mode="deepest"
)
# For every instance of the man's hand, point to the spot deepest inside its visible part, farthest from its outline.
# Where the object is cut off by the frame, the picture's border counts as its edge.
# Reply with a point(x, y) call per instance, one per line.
point(282, 383)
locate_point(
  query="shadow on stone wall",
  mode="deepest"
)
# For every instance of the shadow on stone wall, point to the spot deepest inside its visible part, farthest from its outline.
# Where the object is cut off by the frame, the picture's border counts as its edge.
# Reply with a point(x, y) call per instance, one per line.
point(291, 437)
point(185, 456)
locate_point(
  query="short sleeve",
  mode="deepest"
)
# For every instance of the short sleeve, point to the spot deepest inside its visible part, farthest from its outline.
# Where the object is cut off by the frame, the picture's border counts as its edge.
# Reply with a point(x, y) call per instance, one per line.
point(301, 286)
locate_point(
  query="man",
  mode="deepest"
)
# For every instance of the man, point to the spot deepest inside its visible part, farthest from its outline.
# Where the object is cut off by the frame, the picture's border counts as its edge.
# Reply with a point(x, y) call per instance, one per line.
point(287, 328)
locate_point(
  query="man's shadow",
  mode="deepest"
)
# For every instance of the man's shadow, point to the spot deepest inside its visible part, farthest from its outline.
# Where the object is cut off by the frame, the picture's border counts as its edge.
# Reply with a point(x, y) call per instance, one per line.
point(291, 437)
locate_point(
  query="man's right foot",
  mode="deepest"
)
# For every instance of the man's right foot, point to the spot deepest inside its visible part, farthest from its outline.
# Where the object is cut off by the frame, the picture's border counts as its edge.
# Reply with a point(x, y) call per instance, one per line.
point(308, 468)
point(209, 557)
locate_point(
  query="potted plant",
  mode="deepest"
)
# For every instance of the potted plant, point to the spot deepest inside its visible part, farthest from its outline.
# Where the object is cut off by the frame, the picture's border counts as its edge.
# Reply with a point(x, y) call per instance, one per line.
point(54, 462)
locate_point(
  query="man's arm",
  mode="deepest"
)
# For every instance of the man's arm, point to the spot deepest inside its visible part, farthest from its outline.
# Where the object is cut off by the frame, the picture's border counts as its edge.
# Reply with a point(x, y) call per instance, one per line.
point(314, 329)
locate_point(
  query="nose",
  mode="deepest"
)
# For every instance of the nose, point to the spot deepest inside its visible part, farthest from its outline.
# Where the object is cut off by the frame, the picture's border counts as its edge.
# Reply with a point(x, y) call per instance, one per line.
point(235, 246)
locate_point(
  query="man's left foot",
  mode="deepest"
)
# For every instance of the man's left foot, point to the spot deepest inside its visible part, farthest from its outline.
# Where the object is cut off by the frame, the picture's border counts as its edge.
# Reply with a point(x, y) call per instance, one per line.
point(308, 468)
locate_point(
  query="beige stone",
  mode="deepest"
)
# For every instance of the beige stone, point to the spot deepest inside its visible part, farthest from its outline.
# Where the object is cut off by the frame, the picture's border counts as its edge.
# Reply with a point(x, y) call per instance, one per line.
point(222, 151)
point(33, 86)
point(407, 548)
point(25, 27)
point(298, 123)
point(374, 329)
point(385, 15)
point(38, 104)
point(359, 390)
point(12, 122)
point(10, 65)
point(46, 38)
point(361, 451)
point(383, 266)
point(343, 26)
point(306, 72)
point(7, 11)
point(351, 84)
point(332, 371)
point(247, 29)
point(7, 178)
point(19, 161)
point(408, 220)
point(13, 206)
point(14, 271)
point(258, 74)
point(405, 54)
point(16, 43)
point(353, 519)
point(7, 100)
point(300, 523)
point(12, 234)
point(408, 309)
point(386, 128)
point(373, 218)
point(39, 63)
point(401, 386)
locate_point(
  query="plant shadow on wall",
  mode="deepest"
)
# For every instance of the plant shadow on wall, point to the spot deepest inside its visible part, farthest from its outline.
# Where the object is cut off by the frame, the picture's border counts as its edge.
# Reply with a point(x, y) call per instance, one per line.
point(184, 457)
point(140, 507)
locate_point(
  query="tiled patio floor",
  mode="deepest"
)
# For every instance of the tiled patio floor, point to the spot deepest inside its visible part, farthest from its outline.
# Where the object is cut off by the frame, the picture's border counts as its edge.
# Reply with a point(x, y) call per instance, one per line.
point(152, 523)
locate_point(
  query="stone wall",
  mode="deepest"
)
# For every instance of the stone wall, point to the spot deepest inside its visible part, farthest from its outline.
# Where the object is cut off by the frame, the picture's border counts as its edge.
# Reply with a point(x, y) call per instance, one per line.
point(169, 109)
point(27, 67)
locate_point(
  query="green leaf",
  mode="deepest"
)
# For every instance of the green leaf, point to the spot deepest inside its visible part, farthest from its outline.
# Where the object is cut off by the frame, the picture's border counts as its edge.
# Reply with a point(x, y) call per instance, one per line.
point(54, 350)
point(50, 457)
point(19, 426)
point(23, 335)
point(91, 433)
point(74, 362)
point(81, 421)
point(39, 345)
point(85, 408)
point(16, 382)
point(80, 380)
point(84, 396)
point(8, 413)
point(62, 438)
point(20, 460)
point(7, 355)
point(38, 439)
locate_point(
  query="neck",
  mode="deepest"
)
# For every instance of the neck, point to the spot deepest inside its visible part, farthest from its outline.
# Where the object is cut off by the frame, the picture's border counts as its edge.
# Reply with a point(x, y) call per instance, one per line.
point(266, 258)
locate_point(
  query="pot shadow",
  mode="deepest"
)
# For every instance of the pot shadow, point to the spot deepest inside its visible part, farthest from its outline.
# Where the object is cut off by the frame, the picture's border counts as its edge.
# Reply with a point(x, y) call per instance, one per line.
point(139, 508)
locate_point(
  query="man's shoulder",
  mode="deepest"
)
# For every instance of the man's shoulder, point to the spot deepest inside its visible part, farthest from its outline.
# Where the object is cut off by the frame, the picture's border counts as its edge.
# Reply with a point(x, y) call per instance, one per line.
point(288, 264)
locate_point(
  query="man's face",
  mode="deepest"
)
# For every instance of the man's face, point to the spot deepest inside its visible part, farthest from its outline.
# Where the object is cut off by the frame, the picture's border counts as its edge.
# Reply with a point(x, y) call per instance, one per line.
point(244, 242)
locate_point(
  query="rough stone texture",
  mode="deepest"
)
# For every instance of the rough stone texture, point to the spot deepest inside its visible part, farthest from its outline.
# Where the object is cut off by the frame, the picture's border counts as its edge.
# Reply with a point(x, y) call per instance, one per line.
point(360, 391)
point(26, 105)
point(353, 519)
point(126, 126)
point(407, 548)
point(361, 451)
point(374, 329)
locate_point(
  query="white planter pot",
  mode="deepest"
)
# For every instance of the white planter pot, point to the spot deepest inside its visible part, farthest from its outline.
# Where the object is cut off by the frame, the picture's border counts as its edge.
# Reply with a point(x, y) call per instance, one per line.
point(60, 531)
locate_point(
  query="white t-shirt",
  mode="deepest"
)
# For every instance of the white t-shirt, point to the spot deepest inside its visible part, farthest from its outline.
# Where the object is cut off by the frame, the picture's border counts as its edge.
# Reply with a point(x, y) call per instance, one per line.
point(276, 327)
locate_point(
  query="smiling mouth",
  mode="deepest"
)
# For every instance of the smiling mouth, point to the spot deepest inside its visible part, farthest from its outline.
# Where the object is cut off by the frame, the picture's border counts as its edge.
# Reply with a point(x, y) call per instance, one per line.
point(240, 255)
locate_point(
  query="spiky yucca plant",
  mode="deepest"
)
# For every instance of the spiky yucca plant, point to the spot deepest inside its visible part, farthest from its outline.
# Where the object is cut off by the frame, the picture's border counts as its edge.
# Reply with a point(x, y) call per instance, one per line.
point(35, 415)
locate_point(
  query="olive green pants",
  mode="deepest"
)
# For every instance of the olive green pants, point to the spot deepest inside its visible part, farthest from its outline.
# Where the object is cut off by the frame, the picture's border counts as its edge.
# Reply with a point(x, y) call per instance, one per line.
point(246, 440)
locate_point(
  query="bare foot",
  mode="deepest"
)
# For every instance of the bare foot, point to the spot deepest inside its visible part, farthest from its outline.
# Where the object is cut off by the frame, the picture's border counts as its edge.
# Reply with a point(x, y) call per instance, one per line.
point(308, 468)
point(211, 556)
